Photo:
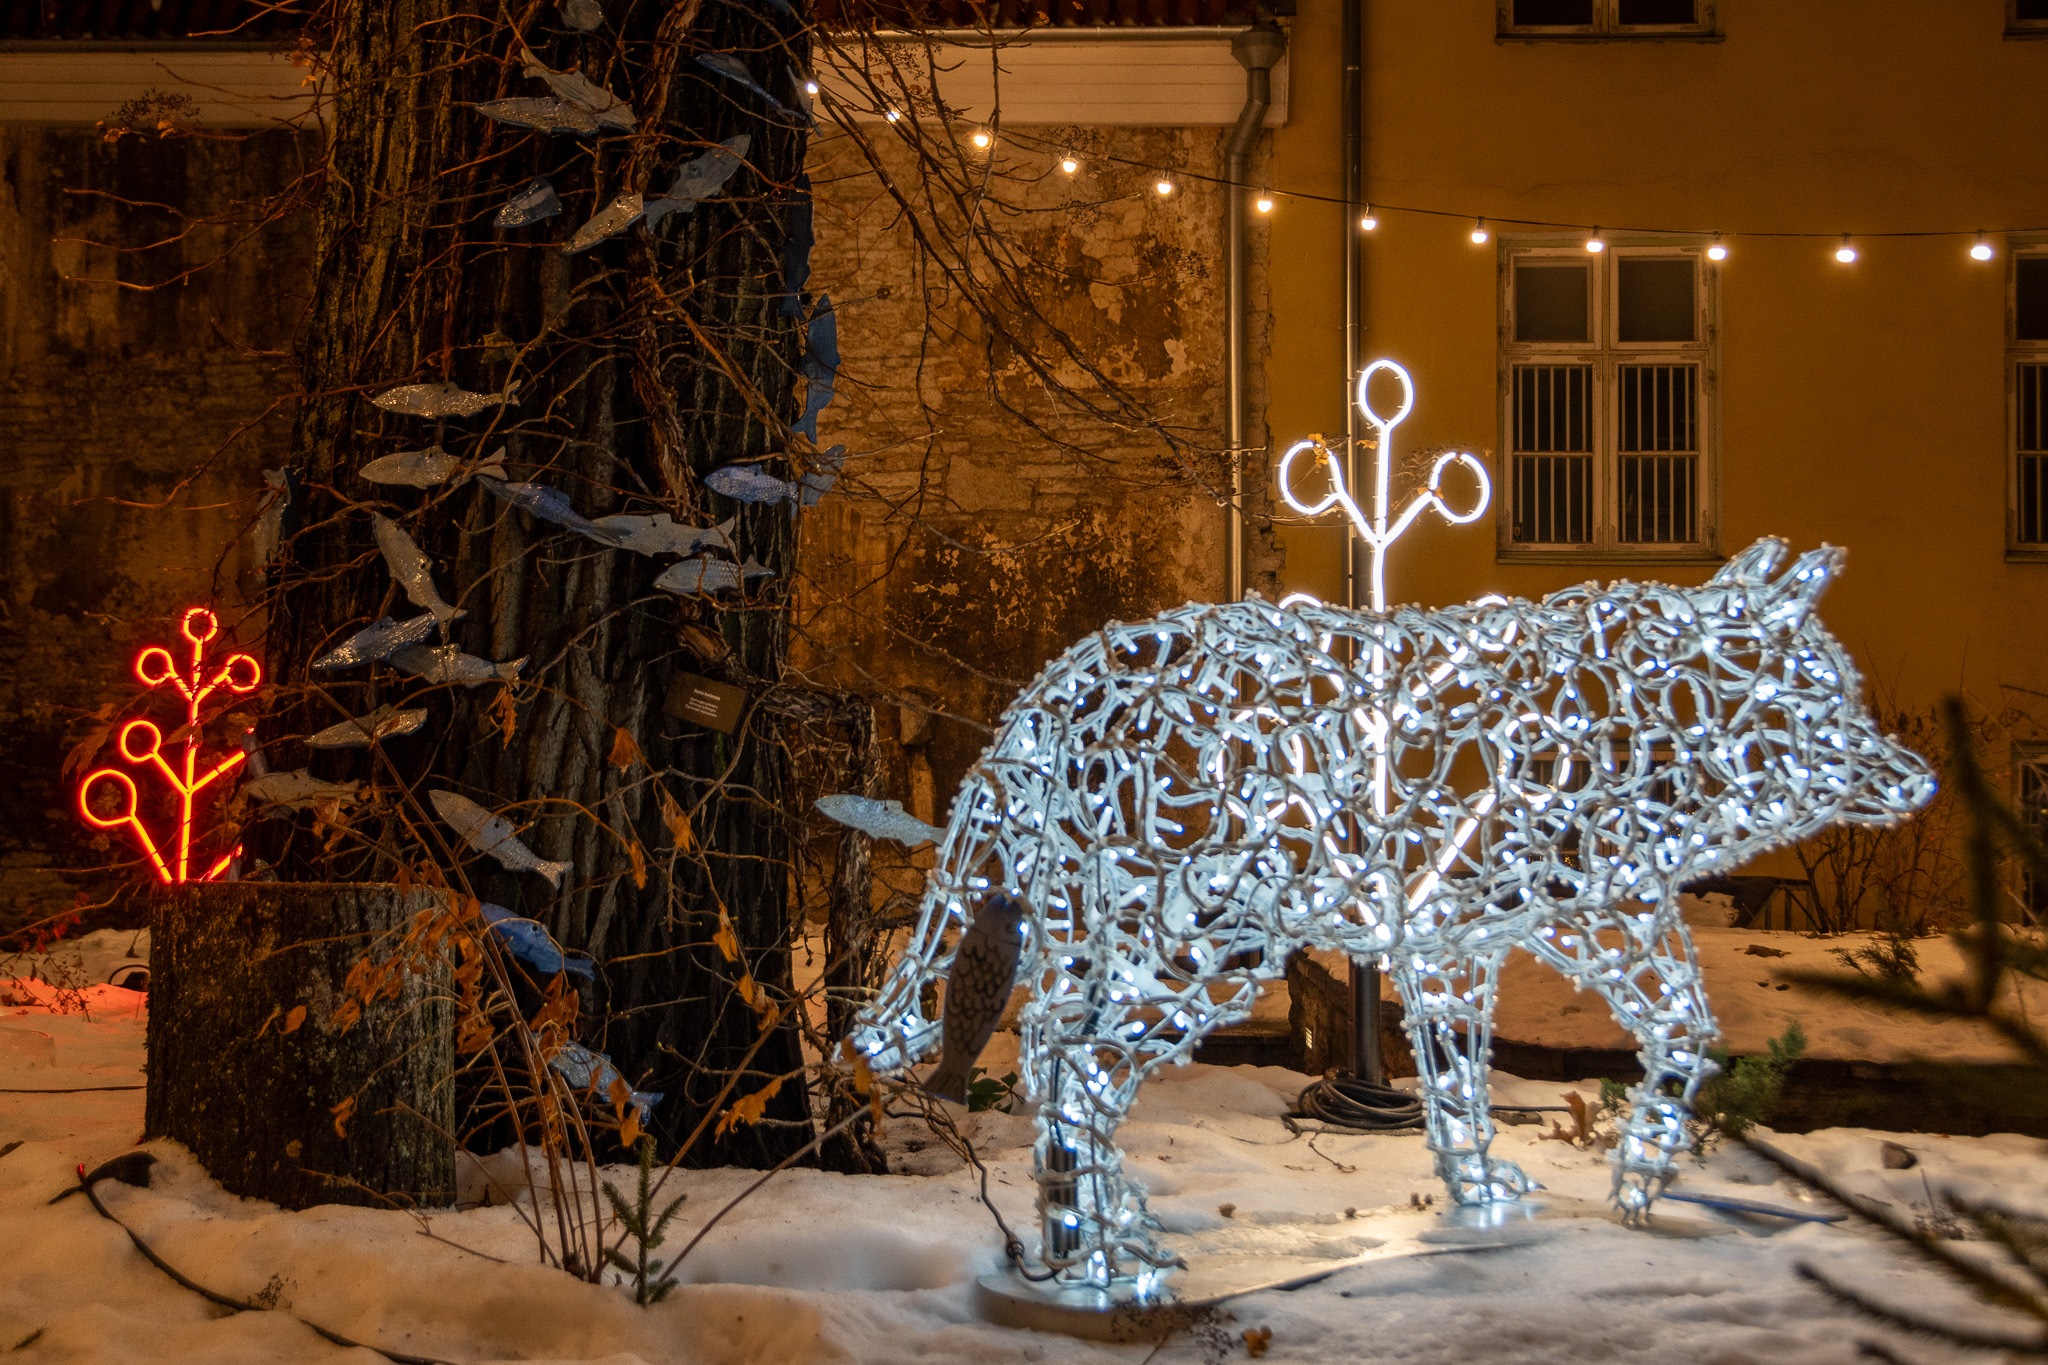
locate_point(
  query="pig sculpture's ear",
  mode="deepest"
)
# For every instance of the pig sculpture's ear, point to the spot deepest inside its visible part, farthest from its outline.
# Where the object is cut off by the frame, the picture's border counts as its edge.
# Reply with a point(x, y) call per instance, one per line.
point(1753, 567)
point(1793, 596)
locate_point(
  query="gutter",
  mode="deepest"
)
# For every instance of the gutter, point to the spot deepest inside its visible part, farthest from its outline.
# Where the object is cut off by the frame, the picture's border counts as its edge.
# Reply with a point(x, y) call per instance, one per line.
point(1258, 50)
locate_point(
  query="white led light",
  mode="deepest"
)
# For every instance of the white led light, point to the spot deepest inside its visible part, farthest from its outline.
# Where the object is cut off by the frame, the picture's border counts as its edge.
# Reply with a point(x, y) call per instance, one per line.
point(810, 87)
point(1479, 233)
point(1264, 203)
point(1333, 807)
point(1981, 251)
point(1596, 243)
point(1846, 252)
point(981, 139)
point(892, 116)
point(1369, 221)
point(1162, 188)
point(1069, 164)
point(1717, 252)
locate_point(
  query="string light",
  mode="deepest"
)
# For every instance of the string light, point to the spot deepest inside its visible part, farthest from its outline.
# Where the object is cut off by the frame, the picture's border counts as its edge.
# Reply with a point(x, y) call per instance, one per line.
point(1982, 250)
point(810, 87)
point(1845, 253)
point(1163, 188)
point(1368, 222)
point(1479, 233)
point(1595, 244)
point(1717, 252)
point(1264, 203)
point(981, 139)
point(892, 116)
point(1069, 164)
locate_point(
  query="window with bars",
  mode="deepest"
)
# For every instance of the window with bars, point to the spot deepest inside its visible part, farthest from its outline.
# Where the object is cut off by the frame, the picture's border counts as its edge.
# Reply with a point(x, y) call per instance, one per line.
point(2028, 374)
point(1610, 18)
point(1605, 415)
point(2030, 792)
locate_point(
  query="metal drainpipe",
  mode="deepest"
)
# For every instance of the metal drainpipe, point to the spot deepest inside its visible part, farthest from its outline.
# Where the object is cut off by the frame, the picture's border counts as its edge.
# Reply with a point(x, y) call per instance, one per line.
point(1366, 1061)
point(1258, 49)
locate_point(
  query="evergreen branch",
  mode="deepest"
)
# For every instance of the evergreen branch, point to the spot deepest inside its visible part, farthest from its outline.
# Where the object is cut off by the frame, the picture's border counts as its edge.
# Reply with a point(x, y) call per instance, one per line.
point(1893, 1317)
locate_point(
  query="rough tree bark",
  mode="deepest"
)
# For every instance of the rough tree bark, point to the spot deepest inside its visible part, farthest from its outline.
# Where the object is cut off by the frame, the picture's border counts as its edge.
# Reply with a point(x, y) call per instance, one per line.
point(641, 364)
point(250, 1086)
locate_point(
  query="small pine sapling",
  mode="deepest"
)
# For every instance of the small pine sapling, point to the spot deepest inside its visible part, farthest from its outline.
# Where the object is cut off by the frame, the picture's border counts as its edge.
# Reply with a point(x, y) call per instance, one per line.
point(986, 1092)
point(639, 1223)
point(1743, 1095)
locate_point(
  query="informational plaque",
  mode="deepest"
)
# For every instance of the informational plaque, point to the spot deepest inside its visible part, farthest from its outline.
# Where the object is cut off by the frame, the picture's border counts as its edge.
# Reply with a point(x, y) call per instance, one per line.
point(704, 702)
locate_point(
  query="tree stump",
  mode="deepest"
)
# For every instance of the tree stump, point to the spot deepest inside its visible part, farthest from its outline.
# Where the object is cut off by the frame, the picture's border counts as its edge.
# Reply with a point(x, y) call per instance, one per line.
point(254, 1099)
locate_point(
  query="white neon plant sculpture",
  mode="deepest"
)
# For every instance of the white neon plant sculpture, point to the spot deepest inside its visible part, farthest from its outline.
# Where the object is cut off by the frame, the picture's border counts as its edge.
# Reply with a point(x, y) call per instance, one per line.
point(1183, 802)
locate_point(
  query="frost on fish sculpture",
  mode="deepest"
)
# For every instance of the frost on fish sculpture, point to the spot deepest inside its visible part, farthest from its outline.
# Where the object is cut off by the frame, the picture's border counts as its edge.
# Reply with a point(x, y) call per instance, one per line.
point(377, 642)
point(439, 400)
point(1183, 802)
point(878, 819)
point(493, 835)
point(386, 722)
point(431, 467)
point(411, 568)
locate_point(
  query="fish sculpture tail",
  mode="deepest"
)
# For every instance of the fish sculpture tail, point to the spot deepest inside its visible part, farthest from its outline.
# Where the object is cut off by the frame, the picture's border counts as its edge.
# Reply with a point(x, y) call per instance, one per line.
point(552, 871)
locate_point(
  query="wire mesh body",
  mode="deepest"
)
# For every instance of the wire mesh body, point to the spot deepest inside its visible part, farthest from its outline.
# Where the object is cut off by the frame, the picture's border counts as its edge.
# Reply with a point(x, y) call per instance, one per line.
point(1185, 801)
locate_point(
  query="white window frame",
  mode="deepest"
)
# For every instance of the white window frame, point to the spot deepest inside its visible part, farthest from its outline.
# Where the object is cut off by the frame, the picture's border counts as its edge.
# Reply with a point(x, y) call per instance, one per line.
point(1606, 356)
point(2017, 354)
point(1607, 24)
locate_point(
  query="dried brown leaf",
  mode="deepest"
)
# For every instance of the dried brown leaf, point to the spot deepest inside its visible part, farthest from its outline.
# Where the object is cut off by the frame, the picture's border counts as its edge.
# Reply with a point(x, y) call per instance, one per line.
point(625, 752)
point(295, 1018)
point(750, 1110)
point(343, 1112)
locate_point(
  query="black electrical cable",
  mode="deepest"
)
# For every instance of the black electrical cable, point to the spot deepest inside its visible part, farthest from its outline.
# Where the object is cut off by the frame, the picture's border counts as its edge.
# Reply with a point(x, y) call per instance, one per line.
point(1367, 1106)
point(86, 1183)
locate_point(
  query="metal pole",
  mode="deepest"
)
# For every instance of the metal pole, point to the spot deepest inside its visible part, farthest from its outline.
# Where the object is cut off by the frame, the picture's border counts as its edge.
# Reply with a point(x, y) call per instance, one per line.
point(1257, 50)
point(1366, 1062)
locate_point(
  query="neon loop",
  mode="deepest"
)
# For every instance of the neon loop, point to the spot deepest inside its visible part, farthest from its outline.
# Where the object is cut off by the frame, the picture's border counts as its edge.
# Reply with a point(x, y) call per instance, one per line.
point(141, 742)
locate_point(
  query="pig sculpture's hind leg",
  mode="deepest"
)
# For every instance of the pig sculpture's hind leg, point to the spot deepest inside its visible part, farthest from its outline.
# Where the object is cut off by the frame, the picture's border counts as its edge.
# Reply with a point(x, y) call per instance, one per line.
point(1449, 1008)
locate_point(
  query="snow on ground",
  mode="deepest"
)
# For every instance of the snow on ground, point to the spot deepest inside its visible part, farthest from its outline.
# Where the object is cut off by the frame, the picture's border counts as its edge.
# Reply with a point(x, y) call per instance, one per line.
point(827, 1268)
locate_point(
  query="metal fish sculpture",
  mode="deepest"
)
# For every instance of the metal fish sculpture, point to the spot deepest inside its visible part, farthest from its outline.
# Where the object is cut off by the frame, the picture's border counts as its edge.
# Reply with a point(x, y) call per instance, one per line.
point(699, 178)
point(551, 504)
point(413, 570)
point(439, 400)
point(536, 203)
point(544, 114)
point(269, 528)
point(699, 575)
point(426, 468)
point(748, 484)
point(379, 641)
point(275, 794)
point(605, 108)
point(610, 221)
point(824, 472)
point(658, 534)
point(881, 819)
point(583, 15)
point(493, 835)
point(593, 1071)
point(754, 569)
point(820, 365)
point(386, 722)
point(733, 69)
point(796, 249)
point(447, 664)
point(529, 943)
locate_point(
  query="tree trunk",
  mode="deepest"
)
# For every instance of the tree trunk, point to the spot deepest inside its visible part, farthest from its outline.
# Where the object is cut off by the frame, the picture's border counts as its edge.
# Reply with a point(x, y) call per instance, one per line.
point(247, 1064)
point(641, 364)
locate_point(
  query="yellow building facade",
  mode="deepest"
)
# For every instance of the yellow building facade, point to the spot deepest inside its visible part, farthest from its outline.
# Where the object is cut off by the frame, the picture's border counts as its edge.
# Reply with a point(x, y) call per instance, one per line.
point(1645, 410)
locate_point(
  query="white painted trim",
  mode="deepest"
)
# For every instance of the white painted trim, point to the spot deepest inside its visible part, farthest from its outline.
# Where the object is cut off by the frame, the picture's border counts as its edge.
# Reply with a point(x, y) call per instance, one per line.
point(234, 89)
point(1150, 81)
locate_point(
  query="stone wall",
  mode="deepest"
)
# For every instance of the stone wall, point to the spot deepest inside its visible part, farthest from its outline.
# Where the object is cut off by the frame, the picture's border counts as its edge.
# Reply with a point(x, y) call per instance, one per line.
point(135, 422)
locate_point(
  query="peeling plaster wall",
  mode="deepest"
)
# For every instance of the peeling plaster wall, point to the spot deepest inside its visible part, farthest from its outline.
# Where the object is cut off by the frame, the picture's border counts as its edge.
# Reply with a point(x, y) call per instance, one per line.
point(134, 428)
point(969, 544)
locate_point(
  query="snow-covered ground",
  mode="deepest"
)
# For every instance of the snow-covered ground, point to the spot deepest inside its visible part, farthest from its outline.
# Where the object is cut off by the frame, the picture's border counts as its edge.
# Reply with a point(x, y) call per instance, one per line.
point(827, 1268)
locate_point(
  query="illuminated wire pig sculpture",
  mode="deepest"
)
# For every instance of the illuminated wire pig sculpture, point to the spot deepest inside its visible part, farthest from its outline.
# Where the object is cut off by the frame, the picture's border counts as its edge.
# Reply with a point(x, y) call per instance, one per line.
point(1184, 802)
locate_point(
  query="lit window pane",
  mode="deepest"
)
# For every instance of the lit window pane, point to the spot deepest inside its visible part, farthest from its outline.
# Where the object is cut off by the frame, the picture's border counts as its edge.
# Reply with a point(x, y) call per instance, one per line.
point(1657, 299)
point(2030, 298)
point(1550, 302)
point(1553, 11)
point(1655, 12)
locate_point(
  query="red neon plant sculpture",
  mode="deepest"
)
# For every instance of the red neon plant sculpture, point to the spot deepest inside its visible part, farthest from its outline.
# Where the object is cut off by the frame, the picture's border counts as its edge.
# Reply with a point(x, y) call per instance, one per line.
point(154, 667)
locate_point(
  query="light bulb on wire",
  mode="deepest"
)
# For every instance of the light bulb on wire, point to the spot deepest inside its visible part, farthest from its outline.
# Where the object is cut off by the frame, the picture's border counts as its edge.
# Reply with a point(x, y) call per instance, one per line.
point(1368, 222)
point(1264, 203)
point(1479, 233)
point(1846, 252)
point(1982, 250)
point(1717, 252)
point(1069, 164)
point(1163, 188)
point(1596, 244)
point(810, 87)
point(981, 139)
